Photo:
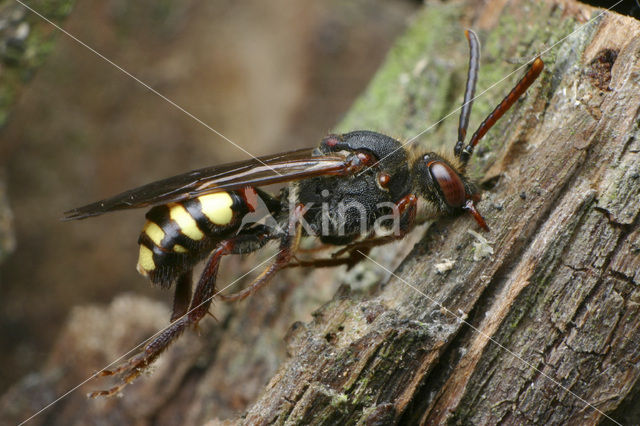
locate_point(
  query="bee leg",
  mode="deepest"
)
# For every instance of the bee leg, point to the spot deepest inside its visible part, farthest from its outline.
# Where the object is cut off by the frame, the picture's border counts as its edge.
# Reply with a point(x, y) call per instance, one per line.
point(366, 245)
point(354, 257)
point(321, 247)
point(356, 253)
point(182, 295)
point(205, 290)
point(288, 246)
point(407, 209)
point(358, 250)
point(282, 260)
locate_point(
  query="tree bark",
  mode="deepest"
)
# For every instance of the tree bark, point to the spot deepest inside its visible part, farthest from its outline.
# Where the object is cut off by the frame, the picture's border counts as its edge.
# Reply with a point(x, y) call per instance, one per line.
point(536, 321)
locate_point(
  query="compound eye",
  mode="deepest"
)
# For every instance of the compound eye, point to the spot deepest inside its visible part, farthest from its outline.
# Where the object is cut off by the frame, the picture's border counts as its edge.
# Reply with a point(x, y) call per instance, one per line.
point(449, 182)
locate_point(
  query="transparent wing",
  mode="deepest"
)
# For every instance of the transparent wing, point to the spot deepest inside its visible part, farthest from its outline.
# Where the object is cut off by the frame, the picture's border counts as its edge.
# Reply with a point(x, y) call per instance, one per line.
point(284, 167)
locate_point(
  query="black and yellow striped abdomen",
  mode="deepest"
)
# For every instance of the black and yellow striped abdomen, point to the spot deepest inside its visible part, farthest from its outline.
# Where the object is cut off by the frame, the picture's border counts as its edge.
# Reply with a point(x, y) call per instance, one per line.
point(176, 236)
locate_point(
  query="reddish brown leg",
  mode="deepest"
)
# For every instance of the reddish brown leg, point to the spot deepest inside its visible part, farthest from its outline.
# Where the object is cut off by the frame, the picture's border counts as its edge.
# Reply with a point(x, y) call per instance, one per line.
point(407, 208)
point(182, 295)
point(358, 250)
point(353, 258)
point(200, 303)
point(282, 260)
point(321, 247)
point(366, 245)
point(288, 247)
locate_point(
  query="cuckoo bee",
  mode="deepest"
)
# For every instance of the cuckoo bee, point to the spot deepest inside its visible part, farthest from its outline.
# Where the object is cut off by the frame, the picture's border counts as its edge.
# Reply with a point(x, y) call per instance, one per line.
point(211, 212)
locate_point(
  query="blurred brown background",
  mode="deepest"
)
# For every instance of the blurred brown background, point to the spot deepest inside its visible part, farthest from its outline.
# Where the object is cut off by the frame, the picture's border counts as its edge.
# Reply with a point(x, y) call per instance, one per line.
point(271, 76)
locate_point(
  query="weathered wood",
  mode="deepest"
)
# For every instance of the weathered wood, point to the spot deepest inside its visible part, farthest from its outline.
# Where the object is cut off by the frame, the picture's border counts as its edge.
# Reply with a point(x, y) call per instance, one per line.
point(544, 329)
point(551, 312)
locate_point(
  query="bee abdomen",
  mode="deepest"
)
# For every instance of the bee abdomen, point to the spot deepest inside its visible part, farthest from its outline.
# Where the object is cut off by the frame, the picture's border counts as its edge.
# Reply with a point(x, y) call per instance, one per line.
point(178, 235)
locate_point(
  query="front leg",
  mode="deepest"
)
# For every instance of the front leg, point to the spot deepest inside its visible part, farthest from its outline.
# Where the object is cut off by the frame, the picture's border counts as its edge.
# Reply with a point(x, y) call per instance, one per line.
point(358, 250)
point(351, 260)
point(407, 208)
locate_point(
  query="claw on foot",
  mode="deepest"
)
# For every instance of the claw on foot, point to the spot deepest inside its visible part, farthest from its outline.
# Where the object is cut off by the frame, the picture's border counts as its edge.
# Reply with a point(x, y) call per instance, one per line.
point(128, 371)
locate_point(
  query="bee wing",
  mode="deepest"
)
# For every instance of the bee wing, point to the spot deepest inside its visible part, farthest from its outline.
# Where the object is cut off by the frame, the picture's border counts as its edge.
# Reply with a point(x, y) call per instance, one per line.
point(284, 167)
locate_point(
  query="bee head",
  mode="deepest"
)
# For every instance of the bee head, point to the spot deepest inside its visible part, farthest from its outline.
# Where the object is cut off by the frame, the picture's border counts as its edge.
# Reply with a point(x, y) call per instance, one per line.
point(439, 182)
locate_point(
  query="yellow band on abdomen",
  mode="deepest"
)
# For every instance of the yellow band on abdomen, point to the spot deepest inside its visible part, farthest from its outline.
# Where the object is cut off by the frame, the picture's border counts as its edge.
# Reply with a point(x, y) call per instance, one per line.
point(217, 207)
point(145, 261)
point(154, 232)
point(185, 221)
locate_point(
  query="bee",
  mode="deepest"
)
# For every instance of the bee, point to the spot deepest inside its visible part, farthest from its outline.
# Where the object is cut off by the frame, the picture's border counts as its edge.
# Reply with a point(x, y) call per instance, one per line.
point(354, 191)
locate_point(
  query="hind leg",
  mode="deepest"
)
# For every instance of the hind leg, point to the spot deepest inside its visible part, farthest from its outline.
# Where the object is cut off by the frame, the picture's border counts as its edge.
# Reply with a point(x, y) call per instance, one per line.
point(200, 303)
point(182, 295)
